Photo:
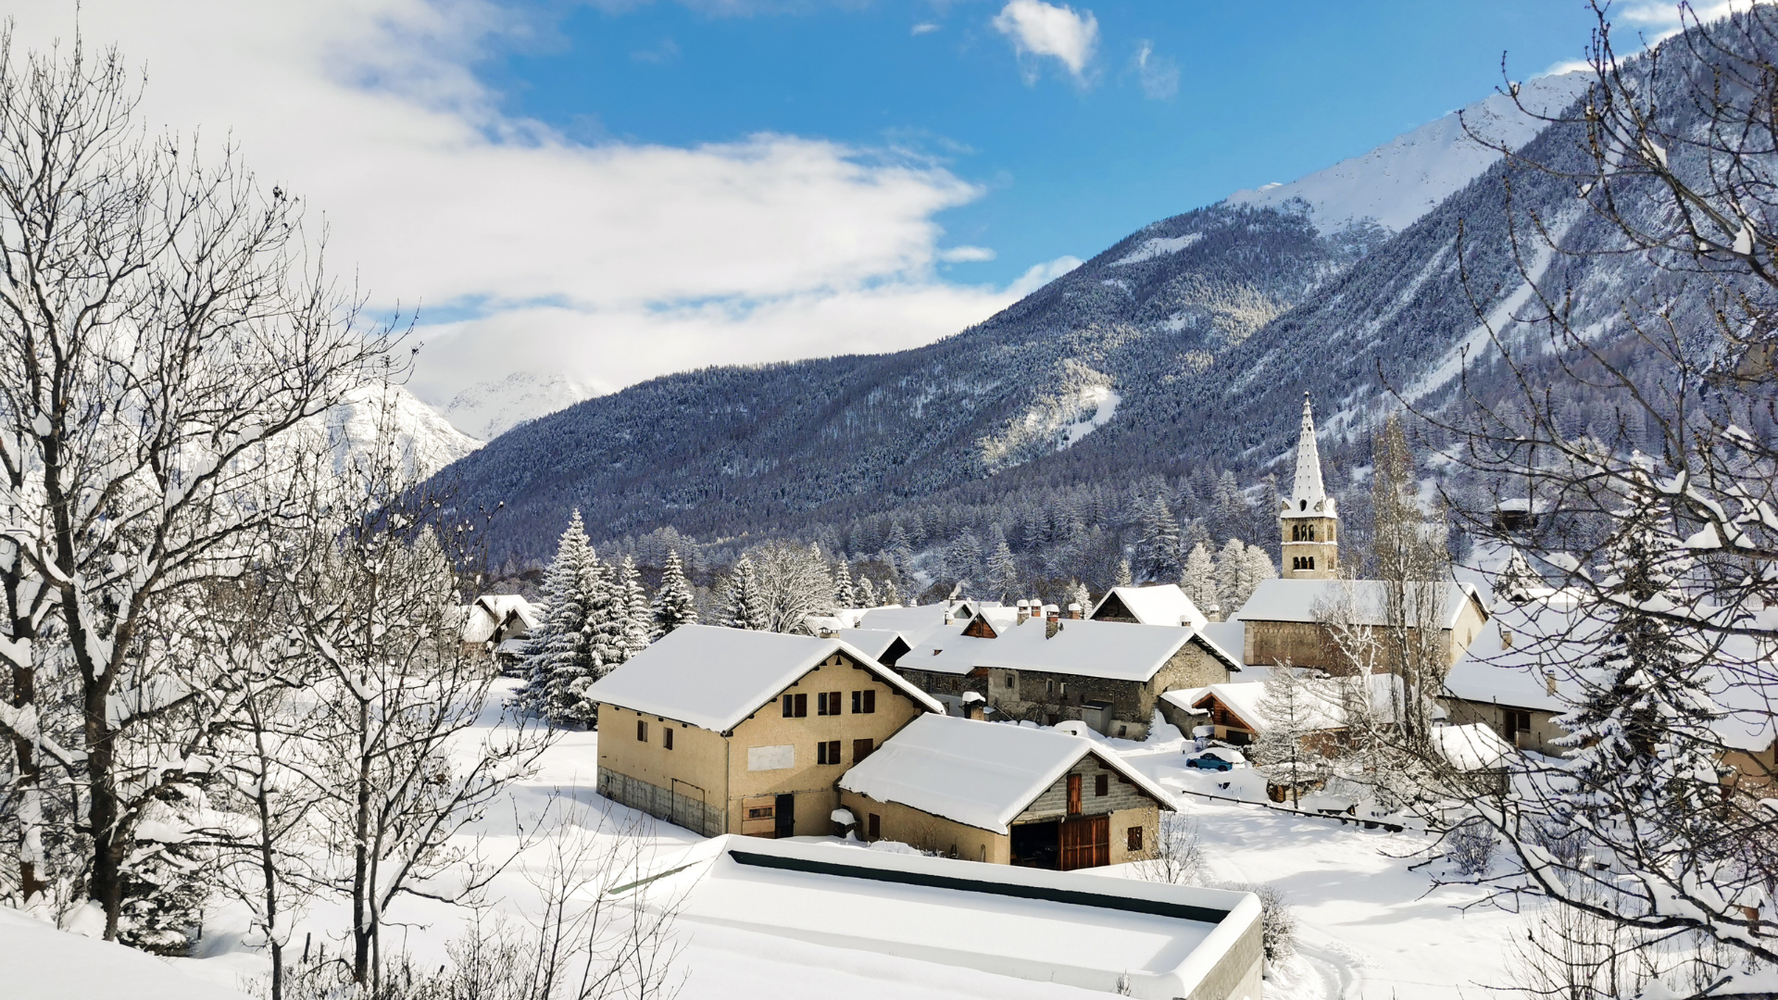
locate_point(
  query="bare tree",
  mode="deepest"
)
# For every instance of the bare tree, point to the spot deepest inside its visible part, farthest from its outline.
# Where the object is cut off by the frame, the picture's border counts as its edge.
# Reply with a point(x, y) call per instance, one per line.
point(1651, 290)
point(164, 323)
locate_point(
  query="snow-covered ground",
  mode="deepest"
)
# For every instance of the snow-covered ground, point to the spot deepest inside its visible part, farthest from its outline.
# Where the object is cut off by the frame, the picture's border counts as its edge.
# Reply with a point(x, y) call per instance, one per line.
point(1367, 923)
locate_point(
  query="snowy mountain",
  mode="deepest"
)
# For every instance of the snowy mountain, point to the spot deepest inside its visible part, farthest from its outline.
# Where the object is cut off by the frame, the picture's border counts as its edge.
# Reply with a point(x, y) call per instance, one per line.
point(487, 410)
point(1406, 177)
point(421, 436)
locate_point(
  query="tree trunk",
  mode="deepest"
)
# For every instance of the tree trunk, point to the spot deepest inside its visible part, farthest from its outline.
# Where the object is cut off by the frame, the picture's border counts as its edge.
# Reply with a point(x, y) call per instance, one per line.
point(27, 786)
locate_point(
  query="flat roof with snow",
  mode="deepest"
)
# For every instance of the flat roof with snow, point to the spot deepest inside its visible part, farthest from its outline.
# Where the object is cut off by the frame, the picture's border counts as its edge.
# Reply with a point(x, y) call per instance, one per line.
point(1065, 927)
point(980, 774)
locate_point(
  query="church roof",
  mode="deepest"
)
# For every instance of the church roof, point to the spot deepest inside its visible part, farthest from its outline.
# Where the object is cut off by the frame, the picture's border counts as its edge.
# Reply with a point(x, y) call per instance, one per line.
point(1308, 497)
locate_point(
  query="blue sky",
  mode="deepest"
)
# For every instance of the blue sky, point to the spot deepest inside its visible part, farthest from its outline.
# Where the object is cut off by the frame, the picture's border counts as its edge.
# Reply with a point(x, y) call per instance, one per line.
point(607, 191)
point(1070, 164)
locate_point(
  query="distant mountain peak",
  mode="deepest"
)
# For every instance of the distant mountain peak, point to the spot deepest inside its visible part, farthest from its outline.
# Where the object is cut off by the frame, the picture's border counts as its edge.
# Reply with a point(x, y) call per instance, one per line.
point(1403, 179)
point(487, 410)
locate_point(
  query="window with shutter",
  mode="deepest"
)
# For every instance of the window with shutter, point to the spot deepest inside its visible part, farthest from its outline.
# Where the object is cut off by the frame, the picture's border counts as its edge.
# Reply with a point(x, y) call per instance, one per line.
point(641, 731)
point(667, 737)
point(862, 749)
point(1133, 839)
point(796, 706)
point(1101, 785)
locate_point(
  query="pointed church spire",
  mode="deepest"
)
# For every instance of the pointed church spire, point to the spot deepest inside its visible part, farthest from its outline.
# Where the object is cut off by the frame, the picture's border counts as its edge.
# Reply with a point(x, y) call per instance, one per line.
point(1309, 495)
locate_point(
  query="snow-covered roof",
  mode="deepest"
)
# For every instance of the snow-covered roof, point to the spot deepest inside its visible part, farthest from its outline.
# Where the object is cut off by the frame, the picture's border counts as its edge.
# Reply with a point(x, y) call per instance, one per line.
point(1325, 698)
point(914, 623)
point(1303, 601)
point(1527, 657)
point(1111, 650)
point(869, 641)
point(1068, 931)
point(1473, 747)
point(981, 774)
point(1230, 637)
point(1161, 604)
point(714, 677)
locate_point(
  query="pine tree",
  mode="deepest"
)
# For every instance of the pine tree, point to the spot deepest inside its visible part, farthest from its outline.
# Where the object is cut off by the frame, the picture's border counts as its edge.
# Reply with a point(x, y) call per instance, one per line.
point(638, 616)
point(1083, 597)
point(867, 593)
point(1198, 580)
point(1642, 731)
point(1124, 579)
point(1157, 545)
point(844, 594)
point(557, 655)
point(963, 558)
point(897, 547)
point(891, 593)
point(1003, 570)
point(606, 613)
point(743, 603)
point(673, 603)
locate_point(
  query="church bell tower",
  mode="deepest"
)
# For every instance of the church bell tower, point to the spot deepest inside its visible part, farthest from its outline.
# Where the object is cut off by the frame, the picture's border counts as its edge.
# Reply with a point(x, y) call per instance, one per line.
point(1307, 520)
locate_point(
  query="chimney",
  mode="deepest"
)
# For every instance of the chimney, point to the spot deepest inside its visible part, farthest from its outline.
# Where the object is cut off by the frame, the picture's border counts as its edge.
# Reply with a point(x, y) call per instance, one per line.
point(1052, 621)
point(1024, 610)
point(1549, 682)
point(1074, 611)
point(1506, 639)
point(1213, 612)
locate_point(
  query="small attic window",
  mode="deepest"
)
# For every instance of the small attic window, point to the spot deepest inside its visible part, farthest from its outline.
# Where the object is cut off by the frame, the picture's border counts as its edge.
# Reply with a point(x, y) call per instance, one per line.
point(1302, 504)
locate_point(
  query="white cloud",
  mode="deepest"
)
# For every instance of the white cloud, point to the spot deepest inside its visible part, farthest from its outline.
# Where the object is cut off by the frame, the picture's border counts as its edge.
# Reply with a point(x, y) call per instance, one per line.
point(958, 255)
point(1159, 75)
point(611, 263)
point(1040, 29)
point(924, 28)
point(1039, 275)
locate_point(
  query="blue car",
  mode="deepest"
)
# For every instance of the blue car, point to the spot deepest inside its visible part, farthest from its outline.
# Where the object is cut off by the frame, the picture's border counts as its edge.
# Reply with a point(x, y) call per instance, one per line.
point(1209, 763)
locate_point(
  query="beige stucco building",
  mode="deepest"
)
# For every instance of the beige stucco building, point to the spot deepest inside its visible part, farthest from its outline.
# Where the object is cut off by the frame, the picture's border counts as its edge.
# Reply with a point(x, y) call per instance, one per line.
point(1004, 794)
point(732, 731)
point(1287, 621)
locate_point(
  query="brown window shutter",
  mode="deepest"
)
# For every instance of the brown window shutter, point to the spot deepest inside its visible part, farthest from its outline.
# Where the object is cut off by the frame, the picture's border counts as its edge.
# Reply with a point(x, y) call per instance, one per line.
point(641, 731)
point(802, 706)
point(1133, 839)
point(870, 701)
point(1074, 795)
point(1102, 785)
point(667, 737)
point(862, 749)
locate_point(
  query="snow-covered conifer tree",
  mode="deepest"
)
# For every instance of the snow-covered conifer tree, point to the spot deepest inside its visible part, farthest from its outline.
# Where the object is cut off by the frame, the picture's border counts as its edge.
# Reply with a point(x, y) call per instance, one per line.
point(1083, 597)
point(891, 593)
point(1124, 576)
point(606, 615)
point(673, 603)
point(844, 594)
point(1198, 580)
point(557, 655)
point(1231, 572)
point(638, 617)
point(1516, 579)
point(867, 593)
point(1157, 544)
point(899, 550)
point(743, 605)
point(1003, 570)
point(1256, 568)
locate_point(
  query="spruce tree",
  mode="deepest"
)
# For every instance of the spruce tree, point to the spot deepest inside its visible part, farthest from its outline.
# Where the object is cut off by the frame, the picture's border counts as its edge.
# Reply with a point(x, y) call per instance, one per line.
point(743, 602)
point(1641, 732)
point(606, 613)
point(1516, 580)
point(1292, 710)
point(867, 593)
point(1157, 545)
point(1083, 597)
point(899, 550)
point(1124, 578)
point(638, 619)
point(1256, 568)
point(844, 594)
point(891, 593)
point(673, 603)
point(556, 654)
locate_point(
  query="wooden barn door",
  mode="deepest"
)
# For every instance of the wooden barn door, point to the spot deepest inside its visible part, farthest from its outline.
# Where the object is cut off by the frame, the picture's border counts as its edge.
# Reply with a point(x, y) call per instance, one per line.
point(1086, 842)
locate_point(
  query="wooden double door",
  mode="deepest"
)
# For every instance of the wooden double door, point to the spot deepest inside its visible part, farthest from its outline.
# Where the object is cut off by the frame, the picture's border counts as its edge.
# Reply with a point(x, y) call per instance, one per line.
point(1086, 842)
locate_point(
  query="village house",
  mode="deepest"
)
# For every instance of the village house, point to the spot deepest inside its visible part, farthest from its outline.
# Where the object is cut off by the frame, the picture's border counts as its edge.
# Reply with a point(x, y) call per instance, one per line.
point(1042, 667)
point(1162, 604)
point(498, 624)
point(1004, 794)
point(1520, 676)
point(732, 731)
